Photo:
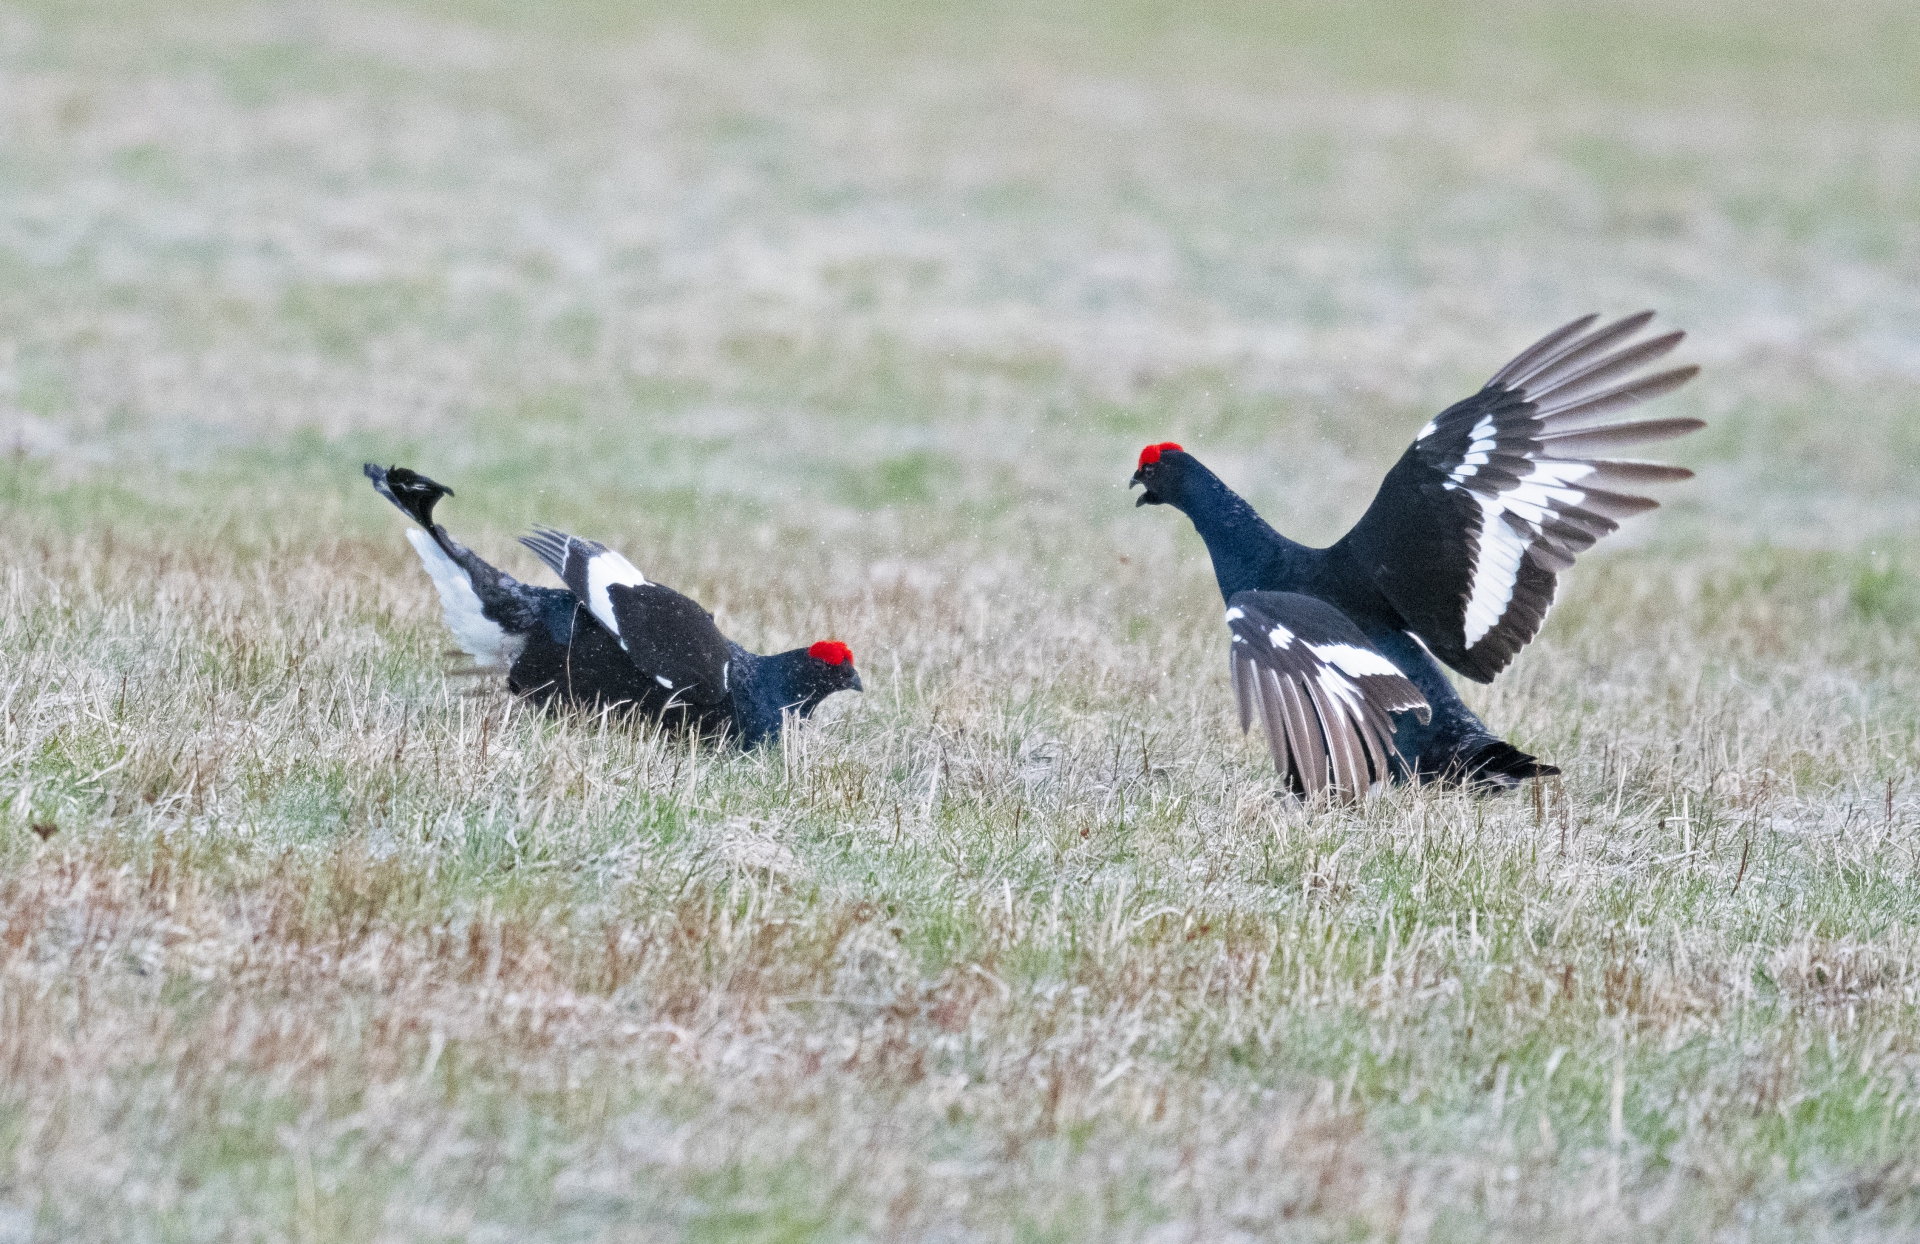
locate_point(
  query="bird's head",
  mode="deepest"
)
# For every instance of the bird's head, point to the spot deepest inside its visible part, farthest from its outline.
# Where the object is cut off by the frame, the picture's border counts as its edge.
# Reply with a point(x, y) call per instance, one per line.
point(1162, 470)
point(830, 664)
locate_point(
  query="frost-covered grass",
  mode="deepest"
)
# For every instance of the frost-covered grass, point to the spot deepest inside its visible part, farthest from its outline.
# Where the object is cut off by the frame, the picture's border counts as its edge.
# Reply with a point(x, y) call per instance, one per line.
point(851, 323)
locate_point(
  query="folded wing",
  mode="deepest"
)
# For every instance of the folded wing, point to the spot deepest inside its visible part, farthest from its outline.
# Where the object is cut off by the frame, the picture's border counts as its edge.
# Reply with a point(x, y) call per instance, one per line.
point(668, 636)
point(1493, 499)
point(1323, 693)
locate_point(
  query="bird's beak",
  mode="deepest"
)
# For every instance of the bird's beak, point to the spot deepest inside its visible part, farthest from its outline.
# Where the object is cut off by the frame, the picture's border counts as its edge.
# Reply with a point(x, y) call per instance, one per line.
point(1136, 481)
point(856, 682)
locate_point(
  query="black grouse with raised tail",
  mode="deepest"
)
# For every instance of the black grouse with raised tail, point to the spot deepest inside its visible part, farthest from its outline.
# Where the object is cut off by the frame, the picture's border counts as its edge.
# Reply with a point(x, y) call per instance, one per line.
point(610, 638)
point(1338, 650)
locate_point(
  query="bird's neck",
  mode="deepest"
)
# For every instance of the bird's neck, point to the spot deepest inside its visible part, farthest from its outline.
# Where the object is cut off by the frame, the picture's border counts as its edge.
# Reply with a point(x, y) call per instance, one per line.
point(765, 687)
point(1248, 555)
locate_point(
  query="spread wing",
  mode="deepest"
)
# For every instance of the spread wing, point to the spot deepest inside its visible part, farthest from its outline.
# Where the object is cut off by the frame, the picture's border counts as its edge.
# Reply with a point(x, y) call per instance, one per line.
point(668, 636)
point(1493, 499)
point(1322, 691)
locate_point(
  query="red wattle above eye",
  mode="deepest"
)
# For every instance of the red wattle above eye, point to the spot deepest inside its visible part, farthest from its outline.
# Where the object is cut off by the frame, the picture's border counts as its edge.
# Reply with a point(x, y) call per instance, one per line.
point(1151, 454)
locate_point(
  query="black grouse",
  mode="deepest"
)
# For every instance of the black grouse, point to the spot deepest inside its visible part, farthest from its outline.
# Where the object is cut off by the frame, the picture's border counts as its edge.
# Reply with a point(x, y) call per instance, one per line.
point(1456, 559)
point(611, 638)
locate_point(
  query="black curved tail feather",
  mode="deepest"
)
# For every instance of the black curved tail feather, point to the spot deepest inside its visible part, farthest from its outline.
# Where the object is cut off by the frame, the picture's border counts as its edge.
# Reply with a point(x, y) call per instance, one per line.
point(413, 492)
point(1483, 764)
point(1501, 765)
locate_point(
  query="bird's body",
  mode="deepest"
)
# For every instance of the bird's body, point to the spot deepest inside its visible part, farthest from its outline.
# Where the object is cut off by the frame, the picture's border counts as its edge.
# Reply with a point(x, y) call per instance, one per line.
point(1340, 649)
point(1250, 556)
point(610, 639)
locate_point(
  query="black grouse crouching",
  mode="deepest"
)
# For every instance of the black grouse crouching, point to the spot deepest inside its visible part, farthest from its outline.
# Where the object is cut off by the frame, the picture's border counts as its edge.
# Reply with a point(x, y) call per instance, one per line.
point(1456, 560)
point(610, 639)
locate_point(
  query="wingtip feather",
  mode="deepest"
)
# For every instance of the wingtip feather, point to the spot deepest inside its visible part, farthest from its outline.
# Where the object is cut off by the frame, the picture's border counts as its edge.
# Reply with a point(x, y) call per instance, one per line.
point(1574, 354)
point(1577, 443)
point(1533, 353)
point(550, 546)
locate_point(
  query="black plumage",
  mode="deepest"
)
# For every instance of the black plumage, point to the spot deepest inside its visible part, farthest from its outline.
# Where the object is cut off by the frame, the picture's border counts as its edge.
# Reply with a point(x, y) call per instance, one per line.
point(1325, 696)
point(610, 638)
point(1456, 561)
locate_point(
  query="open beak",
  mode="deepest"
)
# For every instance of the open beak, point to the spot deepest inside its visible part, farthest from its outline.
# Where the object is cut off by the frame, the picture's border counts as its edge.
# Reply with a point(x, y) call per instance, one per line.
point(1145, 498)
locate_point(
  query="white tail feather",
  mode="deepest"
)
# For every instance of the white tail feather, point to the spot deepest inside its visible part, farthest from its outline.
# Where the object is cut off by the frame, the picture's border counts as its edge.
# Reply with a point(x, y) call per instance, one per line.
point(478, 635)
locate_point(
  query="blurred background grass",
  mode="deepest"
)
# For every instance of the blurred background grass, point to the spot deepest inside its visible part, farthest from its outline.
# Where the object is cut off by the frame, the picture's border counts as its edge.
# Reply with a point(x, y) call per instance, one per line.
point(893, 257)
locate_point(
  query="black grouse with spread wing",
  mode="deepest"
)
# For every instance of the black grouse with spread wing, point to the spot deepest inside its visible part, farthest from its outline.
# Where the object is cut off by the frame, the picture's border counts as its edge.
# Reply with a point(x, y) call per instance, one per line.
point(1338, 650)
point(610, 638)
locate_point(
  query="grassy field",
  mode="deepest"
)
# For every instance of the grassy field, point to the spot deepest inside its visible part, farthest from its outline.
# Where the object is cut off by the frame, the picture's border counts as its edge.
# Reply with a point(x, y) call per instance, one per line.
point(850, 321)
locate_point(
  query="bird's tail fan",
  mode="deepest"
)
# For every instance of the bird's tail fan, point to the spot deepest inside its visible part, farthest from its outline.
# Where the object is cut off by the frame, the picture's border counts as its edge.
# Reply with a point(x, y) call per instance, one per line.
point(413, 492)
point(415, 495)
point(1498, 764)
